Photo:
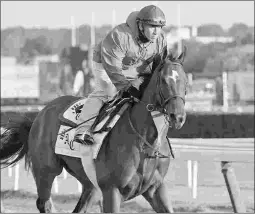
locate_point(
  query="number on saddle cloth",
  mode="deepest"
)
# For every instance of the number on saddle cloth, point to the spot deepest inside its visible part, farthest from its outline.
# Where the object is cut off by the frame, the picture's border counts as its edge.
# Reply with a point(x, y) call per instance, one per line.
point(111, 108)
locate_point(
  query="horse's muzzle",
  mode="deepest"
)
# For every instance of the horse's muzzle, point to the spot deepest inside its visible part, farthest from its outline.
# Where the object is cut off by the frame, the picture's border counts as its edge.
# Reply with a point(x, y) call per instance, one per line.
point(177, 120)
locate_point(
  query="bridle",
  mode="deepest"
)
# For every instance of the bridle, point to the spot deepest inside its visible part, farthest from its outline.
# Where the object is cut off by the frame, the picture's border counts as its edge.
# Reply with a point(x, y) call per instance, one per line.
point(165, 101)
point(153, 107)
point(161, 107)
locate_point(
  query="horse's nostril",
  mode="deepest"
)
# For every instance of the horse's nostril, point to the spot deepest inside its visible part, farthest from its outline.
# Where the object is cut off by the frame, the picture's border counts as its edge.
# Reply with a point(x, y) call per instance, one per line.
point(172, 116)
point(177, 118)
point(180, 119)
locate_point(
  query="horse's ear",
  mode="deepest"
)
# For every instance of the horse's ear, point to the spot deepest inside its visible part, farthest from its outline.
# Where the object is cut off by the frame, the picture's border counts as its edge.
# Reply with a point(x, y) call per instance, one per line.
point(171, 56)
point(181, 57)
point(164, 55)
point(156, 61)
point(159, 58)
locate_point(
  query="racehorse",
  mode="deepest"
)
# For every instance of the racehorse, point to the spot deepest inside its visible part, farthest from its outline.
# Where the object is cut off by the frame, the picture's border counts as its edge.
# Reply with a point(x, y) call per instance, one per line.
point(130, 162)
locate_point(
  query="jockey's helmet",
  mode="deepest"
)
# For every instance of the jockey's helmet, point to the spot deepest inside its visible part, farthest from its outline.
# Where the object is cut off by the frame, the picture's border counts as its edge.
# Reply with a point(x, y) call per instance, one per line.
point(152, 15)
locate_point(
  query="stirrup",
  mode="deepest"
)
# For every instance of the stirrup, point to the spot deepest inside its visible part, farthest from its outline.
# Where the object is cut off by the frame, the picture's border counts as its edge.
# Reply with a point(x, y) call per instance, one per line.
point(89, 140)
point(84, 139)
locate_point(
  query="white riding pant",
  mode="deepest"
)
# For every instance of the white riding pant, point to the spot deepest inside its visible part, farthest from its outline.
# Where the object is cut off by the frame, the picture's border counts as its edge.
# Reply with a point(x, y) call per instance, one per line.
point(103, 91)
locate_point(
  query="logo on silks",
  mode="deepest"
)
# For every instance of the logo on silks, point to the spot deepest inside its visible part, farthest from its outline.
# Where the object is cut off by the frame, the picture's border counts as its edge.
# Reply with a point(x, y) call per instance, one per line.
point(76, 109)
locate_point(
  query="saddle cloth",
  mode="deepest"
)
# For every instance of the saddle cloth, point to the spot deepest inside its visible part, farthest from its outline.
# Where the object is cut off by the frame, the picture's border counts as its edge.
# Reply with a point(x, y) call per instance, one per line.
point(103, 124)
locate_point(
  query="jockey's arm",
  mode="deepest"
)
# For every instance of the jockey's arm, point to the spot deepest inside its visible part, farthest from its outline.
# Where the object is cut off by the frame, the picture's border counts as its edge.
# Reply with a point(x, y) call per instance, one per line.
point(112, 53)
point(113, 50)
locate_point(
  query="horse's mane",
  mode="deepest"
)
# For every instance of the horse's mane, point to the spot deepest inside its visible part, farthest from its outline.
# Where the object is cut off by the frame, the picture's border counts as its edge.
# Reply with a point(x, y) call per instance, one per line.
point(146, 77)
point(159, 60)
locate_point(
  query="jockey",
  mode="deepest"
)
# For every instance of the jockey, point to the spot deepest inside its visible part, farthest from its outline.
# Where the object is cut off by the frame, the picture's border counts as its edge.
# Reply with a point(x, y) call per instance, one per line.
point(126, 51)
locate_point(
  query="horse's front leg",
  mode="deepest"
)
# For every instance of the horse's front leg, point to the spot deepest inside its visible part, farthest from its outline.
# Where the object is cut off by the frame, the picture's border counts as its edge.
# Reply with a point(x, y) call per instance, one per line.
point(111, 199)
point(159, 199)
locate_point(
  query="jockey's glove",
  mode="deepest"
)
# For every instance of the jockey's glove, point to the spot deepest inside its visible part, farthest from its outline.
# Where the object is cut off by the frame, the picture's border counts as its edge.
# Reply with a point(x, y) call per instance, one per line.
point(133, 91)
point(137, 82)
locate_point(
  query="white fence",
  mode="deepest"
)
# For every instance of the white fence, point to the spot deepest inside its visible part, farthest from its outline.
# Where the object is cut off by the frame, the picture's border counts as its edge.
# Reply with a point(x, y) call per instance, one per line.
point(193, 151)
point(222, 150)
point(216, 150)
point(225, 150)
point(55, 184)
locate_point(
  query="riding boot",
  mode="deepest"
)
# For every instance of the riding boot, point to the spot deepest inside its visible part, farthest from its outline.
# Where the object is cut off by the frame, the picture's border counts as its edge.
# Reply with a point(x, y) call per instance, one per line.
point(89, 110)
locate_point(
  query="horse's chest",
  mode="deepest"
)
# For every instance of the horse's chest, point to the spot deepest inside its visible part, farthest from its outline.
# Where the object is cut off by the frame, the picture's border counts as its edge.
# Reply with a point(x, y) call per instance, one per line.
point(146, 176)
point(138, 185)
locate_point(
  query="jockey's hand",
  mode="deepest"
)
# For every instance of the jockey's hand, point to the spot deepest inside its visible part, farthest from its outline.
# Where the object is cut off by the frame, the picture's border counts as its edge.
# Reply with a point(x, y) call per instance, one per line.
point(134, 92)
point(137, 82)
point(133, 88)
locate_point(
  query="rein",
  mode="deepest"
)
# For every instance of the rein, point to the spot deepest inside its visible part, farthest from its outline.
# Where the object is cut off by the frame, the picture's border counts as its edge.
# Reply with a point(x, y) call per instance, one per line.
point(156, 156)
point(155, 150)
point(152, 107)
point(157, 153)
point(164, 101)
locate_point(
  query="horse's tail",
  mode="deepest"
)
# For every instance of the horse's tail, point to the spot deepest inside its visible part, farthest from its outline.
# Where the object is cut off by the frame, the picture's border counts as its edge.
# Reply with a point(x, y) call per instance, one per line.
point(14, 141)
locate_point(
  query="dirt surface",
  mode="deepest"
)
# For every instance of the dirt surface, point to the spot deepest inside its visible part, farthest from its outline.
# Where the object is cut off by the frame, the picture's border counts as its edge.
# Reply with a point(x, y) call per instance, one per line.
point(24, 202)
point(212, 195)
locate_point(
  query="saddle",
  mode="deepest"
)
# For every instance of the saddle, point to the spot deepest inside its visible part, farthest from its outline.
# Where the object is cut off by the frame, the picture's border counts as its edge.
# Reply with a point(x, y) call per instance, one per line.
point(70, 116)
point(109, 109)
point(108, 115)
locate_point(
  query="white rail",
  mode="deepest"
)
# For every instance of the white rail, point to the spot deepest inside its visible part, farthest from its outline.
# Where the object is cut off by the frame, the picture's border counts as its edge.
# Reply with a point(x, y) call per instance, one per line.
point(192, 151)
point(214, 149)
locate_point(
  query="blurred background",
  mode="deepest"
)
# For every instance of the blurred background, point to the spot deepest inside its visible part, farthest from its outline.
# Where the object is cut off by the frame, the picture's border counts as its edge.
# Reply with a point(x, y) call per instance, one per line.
point(46, 50)
point(45, 45)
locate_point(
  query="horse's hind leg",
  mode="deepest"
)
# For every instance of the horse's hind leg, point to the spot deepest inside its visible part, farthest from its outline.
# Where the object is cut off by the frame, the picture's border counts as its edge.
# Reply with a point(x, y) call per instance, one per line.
point(89, 193)
point(159, 199)
point(44, 179)
point(45, 163)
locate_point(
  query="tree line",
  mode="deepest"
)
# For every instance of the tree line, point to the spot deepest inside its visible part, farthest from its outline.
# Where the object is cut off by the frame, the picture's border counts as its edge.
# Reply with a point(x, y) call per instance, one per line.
point(24, 44)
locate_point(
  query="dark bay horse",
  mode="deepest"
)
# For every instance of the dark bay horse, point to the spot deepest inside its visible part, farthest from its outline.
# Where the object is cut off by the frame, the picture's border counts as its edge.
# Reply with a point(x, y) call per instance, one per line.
point(130, 161)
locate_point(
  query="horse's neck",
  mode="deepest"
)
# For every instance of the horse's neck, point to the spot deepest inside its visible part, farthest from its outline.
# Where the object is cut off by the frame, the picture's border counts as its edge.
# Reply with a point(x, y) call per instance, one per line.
point(140, 116)
point(139, 113)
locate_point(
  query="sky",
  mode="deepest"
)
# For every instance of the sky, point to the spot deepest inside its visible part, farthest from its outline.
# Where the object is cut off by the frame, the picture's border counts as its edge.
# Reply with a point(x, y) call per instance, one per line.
point(56, 14)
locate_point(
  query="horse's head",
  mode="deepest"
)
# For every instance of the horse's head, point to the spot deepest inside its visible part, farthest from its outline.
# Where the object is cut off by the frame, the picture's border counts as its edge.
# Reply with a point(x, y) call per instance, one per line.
point(165, 89)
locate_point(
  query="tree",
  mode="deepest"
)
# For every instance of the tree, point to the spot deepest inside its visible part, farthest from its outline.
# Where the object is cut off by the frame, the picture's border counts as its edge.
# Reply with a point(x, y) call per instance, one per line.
point(238, 30)
point(11, 39)
point(242, 34)
point(34, 47)
point(198, 54)
point(210, 30)
point(231, 60)
point(247, 39)
point(239, 58)
point(193, 62)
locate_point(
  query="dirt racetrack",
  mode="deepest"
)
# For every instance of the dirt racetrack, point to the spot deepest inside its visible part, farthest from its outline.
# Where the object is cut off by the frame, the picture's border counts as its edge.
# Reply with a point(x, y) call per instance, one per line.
point(212, 196)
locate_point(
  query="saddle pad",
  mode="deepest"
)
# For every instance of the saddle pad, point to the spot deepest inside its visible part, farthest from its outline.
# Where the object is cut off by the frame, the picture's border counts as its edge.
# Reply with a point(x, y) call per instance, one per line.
point(65, 144)
point(72, 113)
